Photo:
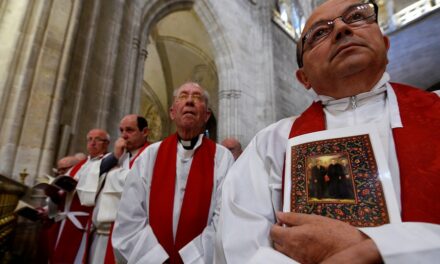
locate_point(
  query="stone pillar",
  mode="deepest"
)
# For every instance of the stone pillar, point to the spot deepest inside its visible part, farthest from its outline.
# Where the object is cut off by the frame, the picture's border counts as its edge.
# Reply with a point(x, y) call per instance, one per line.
point(33, 92)
point(54, 130)
point(22, 92)
point(229, 104)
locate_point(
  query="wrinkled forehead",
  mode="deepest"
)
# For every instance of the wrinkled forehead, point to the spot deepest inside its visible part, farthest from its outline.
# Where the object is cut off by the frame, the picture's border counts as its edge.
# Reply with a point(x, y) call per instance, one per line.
point(190, 88)
point(96, 133)
point(329, 10)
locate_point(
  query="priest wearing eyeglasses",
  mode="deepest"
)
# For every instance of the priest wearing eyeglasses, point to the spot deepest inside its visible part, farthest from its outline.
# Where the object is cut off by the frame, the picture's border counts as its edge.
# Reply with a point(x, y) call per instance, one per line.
point(171, 200)
point(342, 58)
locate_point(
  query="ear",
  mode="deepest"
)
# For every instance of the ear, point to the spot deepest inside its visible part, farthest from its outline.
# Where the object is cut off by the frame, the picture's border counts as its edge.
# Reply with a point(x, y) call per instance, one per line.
point(386, 41)
point(208, 115)
point(302, 78)
point(145, 131)
point(172, 113)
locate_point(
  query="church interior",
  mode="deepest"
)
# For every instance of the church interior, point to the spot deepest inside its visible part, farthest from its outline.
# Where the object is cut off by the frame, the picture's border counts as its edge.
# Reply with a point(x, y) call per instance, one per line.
point(67, 66)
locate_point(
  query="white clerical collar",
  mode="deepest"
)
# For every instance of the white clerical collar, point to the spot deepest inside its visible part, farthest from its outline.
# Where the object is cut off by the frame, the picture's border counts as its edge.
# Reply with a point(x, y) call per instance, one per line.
point(381, 91)
point(186, 153)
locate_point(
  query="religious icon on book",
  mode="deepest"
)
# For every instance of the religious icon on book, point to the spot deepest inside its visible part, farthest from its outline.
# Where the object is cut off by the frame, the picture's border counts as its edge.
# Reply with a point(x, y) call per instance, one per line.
point(340, 174)
point(330, 179)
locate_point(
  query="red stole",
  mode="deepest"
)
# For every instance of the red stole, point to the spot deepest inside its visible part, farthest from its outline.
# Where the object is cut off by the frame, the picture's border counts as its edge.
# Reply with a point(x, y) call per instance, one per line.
point(71, 237)
point(109, 254)
point(417, 148)
point(197, 198)
point(139, 153)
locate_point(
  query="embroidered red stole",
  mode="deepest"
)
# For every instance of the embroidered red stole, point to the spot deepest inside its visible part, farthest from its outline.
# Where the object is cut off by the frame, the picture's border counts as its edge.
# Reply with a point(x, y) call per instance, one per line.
point(417, 148)
point(70, 238)
point(109, 254)
point(197, 198)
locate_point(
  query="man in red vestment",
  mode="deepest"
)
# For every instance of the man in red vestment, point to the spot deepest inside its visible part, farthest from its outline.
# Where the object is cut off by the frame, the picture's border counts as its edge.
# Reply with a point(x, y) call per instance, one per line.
point(75, 210)
point(342, 57)
point(171, 199)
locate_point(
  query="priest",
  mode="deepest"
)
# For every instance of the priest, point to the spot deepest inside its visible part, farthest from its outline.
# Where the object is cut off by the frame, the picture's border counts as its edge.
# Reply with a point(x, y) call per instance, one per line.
point(131, 143)
point(342, 58)
point(171, 200)
point(74, 213)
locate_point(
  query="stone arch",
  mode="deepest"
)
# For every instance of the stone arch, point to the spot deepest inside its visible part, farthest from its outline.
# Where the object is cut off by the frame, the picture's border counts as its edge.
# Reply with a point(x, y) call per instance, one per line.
point(153, 11)
point(156, 115)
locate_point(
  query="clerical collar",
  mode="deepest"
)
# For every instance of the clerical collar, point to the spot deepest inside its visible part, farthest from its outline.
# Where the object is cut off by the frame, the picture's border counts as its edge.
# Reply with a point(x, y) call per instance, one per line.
point(188, 144)
point(378, 92)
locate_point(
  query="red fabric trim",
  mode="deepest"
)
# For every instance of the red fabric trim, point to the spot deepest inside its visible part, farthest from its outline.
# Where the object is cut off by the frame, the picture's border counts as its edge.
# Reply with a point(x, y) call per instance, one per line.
point(196, 202)
point(311, 120)
point(109, 254)
point(139, 153)
point(77, 167)
point(417, 148)
point(70, 239)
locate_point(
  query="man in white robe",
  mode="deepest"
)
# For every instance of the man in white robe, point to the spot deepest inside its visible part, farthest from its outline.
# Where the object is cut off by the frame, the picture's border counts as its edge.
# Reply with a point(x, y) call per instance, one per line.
point(342, 60)
point(136, 235)
point(131, 143)
point(71, 238)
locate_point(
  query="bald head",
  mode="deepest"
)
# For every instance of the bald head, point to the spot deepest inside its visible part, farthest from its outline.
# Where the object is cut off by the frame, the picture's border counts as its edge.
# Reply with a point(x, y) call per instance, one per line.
point(234, 146)
point(66, 163)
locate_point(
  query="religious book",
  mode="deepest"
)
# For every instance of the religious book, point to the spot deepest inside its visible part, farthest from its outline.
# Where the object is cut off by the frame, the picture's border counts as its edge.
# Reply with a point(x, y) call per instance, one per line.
point(64, 182)
point(341, 174)
point(55, 185)
point(26, 210)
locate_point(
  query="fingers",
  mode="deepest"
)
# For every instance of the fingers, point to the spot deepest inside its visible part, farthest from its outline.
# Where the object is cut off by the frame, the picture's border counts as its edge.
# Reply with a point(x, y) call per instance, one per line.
point(276, 233)
point(119, 147)
point(295, 219)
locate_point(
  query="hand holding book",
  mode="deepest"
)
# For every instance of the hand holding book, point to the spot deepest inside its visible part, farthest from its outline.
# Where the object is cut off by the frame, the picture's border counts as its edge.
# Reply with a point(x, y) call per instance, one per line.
point(57, 187)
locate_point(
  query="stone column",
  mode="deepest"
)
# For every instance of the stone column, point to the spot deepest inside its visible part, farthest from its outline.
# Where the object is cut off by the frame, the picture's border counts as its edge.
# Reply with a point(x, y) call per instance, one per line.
point(40, 125)
point(229, 104)
point(49, 150)
point(22, 29)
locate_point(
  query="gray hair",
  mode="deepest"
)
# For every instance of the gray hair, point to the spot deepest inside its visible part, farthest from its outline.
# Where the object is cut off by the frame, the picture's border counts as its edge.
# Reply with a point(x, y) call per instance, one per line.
point(205, 93)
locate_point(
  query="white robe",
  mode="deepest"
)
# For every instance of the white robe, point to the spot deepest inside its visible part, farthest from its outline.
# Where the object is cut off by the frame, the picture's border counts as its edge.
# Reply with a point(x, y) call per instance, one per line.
point(89, 170)
point(252, 190)
point(133, 237)
point(107, 203)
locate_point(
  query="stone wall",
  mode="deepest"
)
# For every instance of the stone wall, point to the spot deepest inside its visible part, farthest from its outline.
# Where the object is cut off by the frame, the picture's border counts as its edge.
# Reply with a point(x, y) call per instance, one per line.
point(414, 57)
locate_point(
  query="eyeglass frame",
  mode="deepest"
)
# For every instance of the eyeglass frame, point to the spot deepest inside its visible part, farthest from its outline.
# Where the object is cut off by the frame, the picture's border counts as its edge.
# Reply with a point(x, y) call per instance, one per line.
point(194, 97)
point(300, 48)
point(96, 140)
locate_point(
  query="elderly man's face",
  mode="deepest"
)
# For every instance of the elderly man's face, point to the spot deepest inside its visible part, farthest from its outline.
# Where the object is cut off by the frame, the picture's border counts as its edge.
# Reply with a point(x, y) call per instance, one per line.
point(97, 142)
point(348, 50)
point(189, 110)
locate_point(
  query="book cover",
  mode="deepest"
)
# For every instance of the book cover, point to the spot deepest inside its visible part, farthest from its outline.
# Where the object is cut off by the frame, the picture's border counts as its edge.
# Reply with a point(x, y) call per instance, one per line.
point(65, 182)
point(26, 210)
point(341, 174)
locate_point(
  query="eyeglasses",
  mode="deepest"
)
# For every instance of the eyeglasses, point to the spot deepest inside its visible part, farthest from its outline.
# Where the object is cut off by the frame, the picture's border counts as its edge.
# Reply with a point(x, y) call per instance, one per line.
point(355, 16)
point(196, 98)
point(95, 140)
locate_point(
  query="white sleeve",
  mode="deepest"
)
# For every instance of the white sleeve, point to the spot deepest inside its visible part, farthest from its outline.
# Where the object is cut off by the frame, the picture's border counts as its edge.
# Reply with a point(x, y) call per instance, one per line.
point(407, 242)
point(200, 249)
point(251, 194)
point(132, 236)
